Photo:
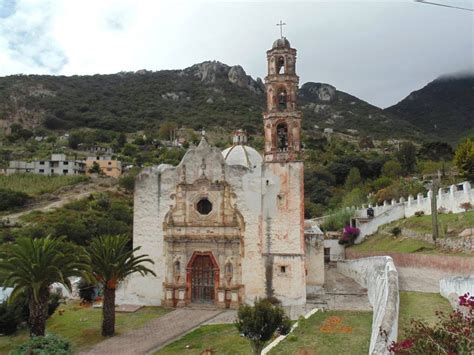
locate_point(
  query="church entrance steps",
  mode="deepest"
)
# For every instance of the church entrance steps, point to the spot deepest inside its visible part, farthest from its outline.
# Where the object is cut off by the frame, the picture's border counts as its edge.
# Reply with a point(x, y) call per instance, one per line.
point(155, 334)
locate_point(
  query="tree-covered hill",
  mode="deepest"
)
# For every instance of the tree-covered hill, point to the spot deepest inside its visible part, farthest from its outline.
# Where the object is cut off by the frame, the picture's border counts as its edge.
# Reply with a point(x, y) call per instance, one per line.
point(209, 94)
point(444, 107)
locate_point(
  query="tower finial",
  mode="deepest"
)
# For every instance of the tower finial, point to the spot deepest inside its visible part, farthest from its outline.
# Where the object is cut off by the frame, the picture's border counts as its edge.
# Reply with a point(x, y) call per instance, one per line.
point(281, 24)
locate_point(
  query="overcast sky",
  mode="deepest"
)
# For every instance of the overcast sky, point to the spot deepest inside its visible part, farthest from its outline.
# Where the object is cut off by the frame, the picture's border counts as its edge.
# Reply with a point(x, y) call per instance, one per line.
point(379, 51)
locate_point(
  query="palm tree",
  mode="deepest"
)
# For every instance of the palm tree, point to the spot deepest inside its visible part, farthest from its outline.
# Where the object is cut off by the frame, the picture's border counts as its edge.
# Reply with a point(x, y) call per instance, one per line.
point(31, 266)
point(112, 260)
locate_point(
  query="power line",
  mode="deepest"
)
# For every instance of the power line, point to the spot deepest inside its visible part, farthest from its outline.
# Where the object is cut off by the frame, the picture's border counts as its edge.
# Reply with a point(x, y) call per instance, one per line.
point(443, 5)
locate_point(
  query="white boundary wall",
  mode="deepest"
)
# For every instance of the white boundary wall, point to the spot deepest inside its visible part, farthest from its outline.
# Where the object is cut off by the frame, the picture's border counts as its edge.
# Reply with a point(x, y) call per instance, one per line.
point(379, 275)
point(449, 199)
point(453, 287)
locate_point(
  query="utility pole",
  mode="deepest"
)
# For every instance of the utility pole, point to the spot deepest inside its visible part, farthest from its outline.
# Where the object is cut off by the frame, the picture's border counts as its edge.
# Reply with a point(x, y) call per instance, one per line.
point(434, 207)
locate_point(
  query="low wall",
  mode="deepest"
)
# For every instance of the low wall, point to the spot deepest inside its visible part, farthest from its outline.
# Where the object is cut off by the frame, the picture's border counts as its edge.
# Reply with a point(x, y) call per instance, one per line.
point(453, 287)
point(380, 277)
point(459, 265)
point(448, 199)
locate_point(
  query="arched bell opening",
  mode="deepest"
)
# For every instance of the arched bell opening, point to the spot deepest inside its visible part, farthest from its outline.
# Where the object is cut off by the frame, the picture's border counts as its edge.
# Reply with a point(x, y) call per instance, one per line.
point(282, 137)
point(281, 65)
point(282, 100)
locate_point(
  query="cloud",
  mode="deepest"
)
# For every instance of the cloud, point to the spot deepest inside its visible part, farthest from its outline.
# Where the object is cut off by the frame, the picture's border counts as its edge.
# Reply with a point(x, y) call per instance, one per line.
point(26, 36)
point(7, 8)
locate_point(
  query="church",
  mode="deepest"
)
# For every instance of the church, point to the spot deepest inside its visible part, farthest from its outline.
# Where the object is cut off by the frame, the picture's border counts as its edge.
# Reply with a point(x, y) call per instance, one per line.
point(227, 227)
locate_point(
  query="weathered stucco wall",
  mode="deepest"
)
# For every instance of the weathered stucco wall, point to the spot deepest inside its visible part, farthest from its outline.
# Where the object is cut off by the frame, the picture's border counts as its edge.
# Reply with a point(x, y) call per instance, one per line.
point(453, 287)
point(380, 277)
point(337, 251)
point(461, 265)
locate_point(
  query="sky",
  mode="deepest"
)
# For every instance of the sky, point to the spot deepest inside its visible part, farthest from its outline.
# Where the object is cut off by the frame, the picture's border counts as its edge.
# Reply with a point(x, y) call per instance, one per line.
point(379, 51)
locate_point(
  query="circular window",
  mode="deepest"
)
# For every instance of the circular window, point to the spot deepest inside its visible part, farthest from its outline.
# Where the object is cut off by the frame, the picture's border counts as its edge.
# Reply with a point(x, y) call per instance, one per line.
point(204, 206)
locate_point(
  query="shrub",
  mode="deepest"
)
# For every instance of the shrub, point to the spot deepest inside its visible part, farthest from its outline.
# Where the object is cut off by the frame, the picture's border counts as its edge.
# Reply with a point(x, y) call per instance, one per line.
point(396, 231)
point(451, 335)
point(258, 323)
point(49, 344)
point(419, 213)
point(337, 220)
point(10, 199)
point(466, 206)
point(349, 235)
point(53, 303)
point(9, 318)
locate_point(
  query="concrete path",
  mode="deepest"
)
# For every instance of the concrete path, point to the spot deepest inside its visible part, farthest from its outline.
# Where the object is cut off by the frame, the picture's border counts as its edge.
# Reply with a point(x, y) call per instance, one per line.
point(421, 279)
point(154, 334)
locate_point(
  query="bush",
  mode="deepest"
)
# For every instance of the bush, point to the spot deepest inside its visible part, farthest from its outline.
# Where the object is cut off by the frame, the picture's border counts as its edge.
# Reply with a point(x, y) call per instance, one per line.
point(419, 213)
point(396, 231)
point(9, 318)
point(49, 344)
point(53, 303)
point(10, 199)
point(349, 235)
point(466, 206)
point(258, 323)
point(451, 335)
point(337, 220)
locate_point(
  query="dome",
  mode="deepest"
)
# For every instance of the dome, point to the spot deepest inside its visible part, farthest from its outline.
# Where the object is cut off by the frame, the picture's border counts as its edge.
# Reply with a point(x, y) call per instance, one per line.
point(281, 43)
point(240, 154)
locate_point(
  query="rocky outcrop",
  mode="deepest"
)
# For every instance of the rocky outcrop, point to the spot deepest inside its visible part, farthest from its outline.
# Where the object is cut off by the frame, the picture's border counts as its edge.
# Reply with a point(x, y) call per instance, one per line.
point(211, 72)
point(318, 91)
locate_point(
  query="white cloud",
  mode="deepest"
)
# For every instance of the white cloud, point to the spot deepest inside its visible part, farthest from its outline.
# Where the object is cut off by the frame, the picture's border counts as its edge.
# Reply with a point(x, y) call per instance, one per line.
point(377, 50)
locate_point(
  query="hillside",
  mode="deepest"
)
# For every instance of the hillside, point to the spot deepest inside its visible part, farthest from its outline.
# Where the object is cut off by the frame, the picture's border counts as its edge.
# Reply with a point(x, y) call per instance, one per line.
point(444, 107)
point(209, 94)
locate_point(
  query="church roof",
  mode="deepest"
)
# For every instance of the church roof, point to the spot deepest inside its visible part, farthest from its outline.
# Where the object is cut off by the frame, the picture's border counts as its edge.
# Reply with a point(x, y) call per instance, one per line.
point(281, 43)
point(240, 154)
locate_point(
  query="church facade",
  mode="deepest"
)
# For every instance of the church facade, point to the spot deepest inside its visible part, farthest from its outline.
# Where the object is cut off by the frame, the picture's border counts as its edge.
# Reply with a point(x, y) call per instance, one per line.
point(228, 227)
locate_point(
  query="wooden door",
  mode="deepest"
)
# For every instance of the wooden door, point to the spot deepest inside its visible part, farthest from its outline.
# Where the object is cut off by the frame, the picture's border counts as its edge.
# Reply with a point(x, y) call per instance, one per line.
point(202, 280)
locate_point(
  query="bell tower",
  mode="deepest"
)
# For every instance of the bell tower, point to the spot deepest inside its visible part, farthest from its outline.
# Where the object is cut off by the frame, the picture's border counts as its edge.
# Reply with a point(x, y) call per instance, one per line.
point(283, 247)
point(282, 121)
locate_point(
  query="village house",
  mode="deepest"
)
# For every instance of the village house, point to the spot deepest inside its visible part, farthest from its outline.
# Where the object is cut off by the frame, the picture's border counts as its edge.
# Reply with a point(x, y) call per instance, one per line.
point(108, 166)
point(58, 164)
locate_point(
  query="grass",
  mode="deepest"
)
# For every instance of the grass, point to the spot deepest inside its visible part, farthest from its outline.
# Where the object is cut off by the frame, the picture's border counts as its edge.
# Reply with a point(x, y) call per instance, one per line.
point(380, 242)
point(420, 305)
point(82, 326)
point(222, 338)
point(35, 184)
point(449, 223)
point(321, 334)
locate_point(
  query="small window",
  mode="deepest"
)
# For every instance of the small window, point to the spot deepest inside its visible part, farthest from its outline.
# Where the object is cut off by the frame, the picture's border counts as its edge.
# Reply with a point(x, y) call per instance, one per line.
point(283, 269)
point(65, 171)
point(177, 267)
point(41, 170)
point(110, 163)
point(204, 206)
point(65, 163)
point(41, 162)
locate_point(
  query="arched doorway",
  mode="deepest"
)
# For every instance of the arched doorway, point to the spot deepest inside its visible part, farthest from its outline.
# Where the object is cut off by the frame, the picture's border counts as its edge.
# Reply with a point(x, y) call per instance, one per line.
point(203, 278)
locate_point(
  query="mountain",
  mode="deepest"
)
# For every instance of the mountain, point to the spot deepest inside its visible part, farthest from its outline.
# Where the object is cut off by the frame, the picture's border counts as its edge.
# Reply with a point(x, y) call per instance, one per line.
point(209, 94)
point(444, 107)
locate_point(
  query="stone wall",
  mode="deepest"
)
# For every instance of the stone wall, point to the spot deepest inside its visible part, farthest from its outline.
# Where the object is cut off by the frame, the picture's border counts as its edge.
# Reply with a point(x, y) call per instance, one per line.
point(380, 277)
point(460, 265)
point(448, 200)
point(453, 287)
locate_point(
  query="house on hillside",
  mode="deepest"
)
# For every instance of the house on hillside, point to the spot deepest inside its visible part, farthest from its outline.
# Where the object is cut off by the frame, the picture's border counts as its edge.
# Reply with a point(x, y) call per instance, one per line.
point(57, 165)
point(108, 166)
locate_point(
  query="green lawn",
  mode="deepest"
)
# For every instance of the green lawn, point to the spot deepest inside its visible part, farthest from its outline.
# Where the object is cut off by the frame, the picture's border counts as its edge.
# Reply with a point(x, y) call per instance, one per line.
point(420, 306)
point(81, 326)
point(449, 225)
point(222, 338)
point(401, 244)
point(35, 184)
point(331, 332)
